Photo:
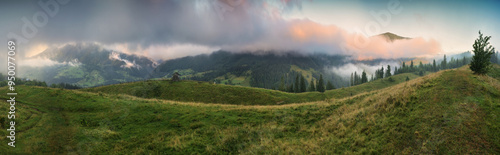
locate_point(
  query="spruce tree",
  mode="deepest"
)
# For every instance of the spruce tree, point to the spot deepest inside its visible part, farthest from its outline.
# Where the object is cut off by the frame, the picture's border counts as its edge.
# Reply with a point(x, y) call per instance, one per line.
point(364, 79)
point(403, 68)
point(311, 86)
point(296, 88)
point(411, 66)
point(480, 63)
point(434, 67)
point(282, 84)
point(443, 63)
point(290, 88)
point(355, 78)
point(382, 72)
point(302, 84)
point(329, 85)
point(352, 80)
point(321, 84)
point(388, 72)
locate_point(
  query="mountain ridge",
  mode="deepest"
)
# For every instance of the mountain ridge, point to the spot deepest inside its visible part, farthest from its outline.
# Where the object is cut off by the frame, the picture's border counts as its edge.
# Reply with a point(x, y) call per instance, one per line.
point(391, 37)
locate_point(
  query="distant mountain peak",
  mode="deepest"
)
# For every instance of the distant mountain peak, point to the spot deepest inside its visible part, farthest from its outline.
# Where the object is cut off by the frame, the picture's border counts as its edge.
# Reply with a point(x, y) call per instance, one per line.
point(391, 37)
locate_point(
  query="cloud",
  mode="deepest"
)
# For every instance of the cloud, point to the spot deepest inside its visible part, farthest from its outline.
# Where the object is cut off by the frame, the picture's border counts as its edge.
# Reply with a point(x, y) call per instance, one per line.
point(43, 62)
point(116, 56)
point(170, 29)
point(345, 70)
point(306, 36)
point(163, 52)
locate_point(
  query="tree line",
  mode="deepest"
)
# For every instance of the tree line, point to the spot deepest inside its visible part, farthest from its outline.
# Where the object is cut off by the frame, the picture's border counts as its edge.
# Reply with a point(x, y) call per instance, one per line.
point(420, 69)
point(300, 84)
point(29, 82)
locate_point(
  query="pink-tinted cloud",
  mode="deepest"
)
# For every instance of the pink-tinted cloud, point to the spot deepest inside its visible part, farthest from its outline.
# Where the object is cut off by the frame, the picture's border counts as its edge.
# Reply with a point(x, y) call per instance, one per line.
point(306, 36)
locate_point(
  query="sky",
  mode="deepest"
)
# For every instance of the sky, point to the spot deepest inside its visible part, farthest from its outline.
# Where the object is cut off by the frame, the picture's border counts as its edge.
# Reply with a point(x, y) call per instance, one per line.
point(168, 29)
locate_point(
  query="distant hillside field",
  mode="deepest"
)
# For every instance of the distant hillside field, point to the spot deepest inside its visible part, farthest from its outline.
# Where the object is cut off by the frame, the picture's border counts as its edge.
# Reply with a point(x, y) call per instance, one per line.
point(448, 112)
point(194, 91)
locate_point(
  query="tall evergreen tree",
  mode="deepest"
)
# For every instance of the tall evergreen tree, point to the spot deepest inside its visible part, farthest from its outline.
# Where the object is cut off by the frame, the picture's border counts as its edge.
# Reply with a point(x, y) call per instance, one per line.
point(451, 63)
point(411, 66)
point(443, 63)
point(480, 63)
point(290, 88)
point(296, 87)
point(434, 67)
point(364, 79)
point(355, 78)
point(388, 72)
point(311, 86)
point(352, 80)
point(282, 84)
point(403, 68)
point(329, 85)
point(302, 84)
point(321, 84)
point(382, 72)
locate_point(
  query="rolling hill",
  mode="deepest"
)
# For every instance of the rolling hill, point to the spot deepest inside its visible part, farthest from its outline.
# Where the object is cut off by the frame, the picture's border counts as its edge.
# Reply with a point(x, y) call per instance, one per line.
point(448, 112)
point(196, 91)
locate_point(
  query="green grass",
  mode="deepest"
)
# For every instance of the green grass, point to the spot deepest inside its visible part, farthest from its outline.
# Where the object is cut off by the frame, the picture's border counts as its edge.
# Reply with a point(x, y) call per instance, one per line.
point(449, 112)
point(71, 72)
point(92, 79)
point(370, 86)
point(495, 72)
point(195, 91)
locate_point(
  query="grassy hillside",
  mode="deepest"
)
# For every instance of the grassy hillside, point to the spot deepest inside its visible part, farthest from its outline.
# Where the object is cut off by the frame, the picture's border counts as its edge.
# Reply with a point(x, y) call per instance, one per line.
point(194, 91)
point(449, 112)
point(495, 72)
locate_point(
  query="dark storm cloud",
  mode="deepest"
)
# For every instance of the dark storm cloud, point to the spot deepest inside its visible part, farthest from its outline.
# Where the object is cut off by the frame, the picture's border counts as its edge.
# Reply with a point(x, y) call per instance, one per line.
point(212, 23)
point(235, 25)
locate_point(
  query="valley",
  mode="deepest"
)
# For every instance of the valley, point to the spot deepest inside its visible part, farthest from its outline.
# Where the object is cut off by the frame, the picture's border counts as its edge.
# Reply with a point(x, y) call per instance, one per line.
point(167, 77)
point(451, 111)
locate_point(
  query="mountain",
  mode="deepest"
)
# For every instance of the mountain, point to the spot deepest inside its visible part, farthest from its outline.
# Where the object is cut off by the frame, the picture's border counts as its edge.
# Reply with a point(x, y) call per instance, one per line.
point(256, 70)
point(90, 65)
point(448, 112)
point(391, 37)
